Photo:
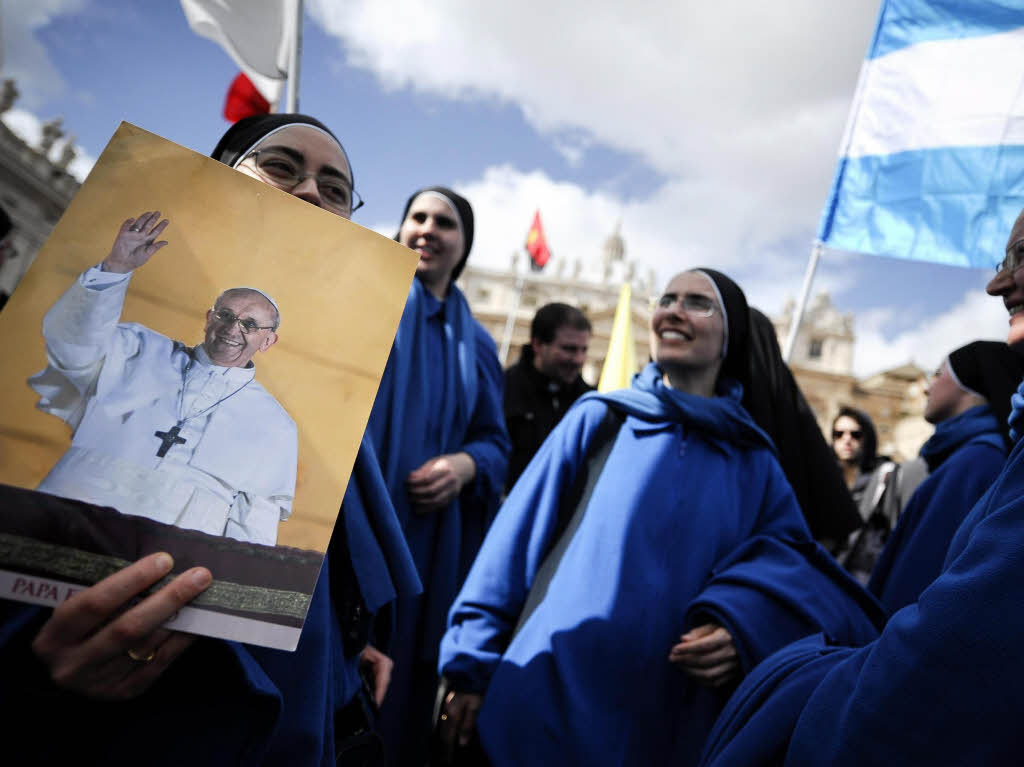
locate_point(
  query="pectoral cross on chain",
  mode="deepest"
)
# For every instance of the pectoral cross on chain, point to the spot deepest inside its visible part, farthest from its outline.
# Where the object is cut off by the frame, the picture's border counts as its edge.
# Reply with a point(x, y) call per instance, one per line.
point(169, 438)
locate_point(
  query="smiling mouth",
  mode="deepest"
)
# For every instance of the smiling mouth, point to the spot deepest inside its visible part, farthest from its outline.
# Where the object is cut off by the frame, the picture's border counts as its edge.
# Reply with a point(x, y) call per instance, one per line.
point(673, 335)
point(228, 342)
point(426, 250)
point(1015, 309)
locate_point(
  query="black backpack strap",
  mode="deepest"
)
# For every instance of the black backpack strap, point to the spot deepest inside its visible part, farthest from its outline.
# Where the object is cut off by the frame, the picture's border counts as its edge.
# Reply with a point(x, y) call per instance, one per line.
point(572, 508)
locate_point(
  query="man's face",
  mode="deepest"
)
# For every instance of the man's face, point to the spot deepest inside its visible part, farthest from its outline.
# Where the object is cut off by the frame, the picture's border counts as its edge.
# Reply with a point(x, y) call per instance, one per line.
point(847, 439)
point(431, 229)
point(1009, 283)
point(225, 343)
point(562, 358)
point(944, 396)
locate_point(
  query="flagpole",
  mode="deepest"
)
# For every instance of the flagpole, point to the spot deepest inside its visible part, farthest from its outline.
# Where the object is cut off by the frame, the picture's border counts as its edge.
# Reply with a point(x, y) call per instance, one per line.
point(510, 322)
point(294, 61)
point(798, 313)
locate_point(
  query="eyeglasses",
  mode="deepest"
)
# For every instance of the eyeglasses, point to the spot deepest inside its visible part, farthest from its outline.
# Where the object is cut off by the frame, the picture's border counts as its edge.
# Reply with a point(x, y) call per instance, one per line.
point(855, 434)
point(1014, 258)
point(692, 303)
point(247, 325)
point(283, 172)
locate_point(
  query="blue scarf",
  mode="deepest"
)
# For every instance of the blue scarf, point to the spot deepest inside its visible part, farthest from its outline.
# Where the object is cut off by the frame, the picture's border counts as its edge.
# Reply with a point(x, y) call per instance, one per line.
point(721, 418)
point(952, 433)
point(400, 408)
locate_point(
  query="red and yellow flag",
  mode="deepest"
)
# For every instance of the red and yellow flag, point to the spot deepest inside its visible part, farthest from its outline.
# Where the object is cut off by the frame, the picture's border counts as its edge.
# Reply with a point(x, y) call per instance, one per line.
point(536, 244)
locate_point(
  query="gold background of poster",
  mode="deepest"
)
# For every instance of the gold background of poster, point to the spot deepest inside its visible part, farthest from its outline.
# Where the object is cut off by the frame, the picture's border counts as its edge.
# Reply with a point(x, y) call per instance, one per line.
point(341, 290)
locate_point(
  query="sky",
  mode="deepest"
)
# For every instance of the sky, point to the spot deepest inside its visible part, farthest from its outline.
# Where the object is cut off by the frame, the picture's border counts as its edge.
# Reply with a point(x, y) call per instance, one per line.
point(707, 131)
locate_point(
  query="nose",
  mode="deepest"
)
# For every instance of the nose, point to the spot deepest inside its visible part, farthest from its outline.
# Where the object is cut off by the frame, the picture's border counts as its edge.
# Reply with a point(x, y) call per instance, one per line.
point(234, 330)
point(1001, 284)
point(307, 190)
point(674, 309)
point(427, 227)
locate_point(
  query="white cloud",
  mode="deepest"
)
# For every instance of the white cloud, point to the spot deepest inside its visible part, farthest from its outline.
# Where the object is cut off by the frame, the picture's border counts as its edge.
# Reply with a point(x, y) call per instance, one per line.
point(23, 57)
point(739, 105)
point(663, 80)
point(978, 315)
point(29, 128)
point(657, 235)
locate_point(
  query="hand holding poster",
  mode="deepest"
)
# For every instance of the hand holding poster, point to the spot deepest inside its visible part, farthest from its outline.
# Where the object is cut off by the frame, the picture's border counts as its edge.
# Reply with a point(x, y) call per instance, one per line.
point(210, 392)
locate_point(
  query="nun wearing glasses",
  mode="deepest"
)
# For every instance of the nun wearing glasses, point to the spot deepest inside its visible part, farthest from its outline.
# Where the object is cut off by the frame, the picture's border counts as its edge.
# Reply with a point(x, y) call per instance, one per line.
point(649, 556)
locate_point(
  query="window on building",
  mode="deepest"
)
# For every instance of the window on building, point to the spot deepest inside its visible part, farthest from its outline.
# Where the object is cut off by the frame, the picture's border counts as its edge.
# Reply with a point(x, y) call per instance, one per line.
point(814, 351)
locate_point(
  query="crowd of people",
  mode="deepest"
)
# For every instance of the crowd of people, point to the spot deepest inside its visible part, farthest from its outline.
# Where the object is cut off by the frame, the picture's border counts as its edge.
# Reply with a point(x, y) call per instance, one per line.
point(528, 572)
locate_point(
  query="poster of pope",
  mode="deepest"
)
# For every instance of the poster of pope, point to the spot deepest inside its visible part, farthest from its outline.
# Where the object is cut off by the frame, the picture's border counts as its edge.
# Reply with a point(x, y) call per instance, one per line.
point(183, 434)
point(190, 363)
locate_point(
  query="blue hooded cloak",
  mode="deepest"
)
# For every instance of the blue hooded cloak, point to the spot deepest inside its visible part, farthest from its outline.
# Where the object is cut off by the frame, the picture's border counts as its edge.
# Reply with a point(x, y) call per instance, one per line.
point(690, 520)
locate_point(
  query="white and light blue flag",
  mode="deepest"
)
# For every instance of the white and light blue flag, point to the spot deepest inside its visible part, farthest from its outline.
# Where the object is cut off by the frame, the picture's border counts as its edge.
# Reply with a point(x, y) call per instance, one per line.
point(931, 166)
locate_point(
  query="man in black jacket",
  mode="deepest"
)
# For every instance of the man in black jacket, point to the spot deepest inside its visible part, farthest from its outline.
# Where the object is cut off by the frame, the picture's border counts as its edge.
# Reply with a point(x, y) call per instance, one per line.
point(545, 382)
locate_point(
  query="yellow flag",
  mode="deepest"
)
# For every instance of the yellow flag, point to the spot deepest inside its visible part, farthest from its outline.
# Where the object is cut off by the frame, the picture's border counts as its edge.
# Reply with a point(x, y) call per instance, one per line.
point(620, 364)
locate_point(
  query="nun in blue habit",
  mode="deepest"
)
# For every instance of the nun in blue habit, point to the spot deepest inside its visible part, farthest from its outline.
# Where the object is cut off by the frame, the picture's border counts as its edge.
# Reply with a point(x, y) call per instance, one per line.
point(688, 562)
point(944, 682)
point(438, 429)
point(969, 401)
point(941, 685)
point(206, 701)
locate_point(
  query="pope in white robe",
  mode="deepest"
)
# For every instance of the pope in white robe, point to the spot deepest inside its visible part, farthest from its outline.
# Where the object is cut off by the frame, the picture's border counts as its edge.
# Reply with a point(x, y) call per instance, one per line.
point(184, 436)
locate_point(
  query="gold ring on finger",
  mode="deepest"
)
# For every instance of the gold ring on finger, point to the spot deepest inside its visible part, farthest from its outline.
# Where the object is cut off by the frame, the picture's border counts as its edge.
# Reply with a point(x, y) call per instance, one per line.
point(140, 657)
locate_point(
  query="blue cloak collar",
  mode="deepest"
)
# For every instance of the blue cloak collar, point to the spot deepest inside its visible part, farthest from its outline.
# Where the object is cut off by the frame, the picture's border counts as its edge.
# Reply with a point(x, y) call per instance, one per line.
point(951, 434)
point(721, 417)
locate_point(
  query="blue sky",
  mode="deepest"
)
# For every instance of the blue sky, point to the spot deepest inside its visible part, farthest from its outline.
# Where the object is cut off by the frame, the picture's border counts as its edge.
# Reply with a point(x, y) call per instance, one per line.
point(710, 130)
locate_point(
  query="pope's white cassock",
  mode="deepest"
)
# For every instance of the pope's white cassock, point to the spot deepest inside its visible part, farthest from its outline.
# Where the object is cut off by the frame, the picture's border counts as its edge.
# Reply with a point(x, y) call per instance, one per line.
point(229, 467)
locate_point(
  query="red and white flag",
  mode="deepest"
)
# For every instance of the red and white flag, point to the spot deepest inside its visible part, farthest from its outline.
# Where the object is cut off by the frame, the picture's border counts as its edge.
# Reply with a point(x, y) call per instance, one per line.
point(537, 244)
point(244, 100)
point(257, 34)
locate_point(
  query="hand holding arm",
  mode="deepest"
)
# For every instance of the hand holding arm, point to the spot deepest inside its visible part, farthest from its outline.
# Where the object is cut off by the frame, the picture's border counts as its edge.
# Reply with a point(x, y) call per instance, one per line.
point(134, 244)
point(99, 645)
point(436, 483)
point(708, 654)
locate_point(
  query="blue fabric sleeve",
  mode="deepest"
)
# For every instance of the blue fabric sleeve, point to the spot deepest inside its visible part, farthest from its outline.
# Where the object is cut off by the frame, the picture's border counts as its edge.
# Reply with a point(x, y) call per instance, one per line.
point(487, 440)
point(772, 591)
point(485, 612)
point(780, 586)
point(756, 724)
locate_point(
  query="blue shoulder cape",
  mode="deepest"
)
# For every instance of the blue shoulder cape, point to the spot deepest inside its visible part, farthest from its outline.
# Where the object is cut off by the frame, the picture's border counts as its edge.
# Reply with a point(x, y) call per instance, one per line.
point(463, 370)
point(441, 393)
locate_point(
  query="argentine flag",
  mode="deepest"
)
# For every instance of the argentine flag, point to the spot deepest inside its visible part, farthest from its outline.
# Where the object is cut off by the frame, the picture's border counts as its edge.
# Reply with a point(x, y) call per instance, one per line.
point(931, 165)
